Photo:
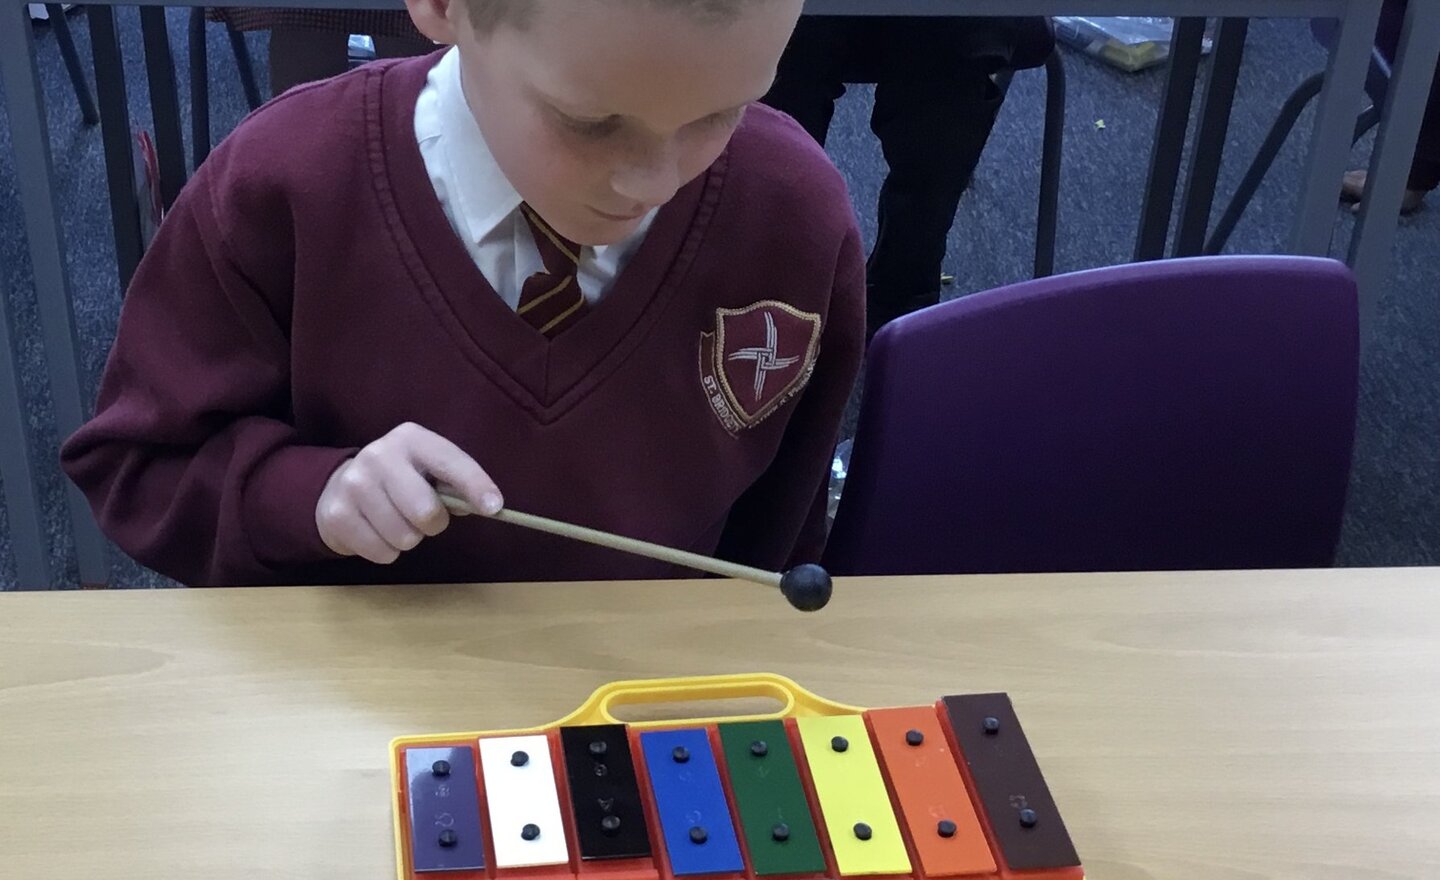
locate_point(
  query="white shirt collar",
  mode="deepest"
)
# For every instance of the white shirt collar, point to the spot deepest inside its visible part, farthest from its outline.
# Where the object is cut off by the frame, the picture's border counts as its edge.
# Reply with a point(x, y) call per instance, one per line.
point(482, 197)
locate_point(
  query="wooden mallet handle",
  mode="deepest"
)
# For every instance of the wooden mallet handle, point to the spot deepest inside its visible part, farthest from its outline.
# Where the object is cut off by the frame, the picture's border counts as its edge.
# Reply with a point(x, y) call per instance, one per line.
point(807, 586)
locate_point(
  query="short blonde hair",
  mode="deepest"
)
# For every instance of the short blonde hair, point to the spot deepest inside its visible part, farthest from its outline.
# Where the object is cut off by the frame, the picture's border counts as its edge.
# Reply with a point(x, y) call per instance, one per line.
point(487, 15)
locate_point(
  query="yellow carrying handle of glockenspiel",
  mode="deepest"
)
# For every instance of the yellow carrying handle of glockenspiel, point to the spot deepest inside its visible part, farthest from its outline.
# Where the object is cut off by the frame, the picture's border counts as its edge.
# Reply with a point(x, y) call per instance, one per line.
point(794, 700)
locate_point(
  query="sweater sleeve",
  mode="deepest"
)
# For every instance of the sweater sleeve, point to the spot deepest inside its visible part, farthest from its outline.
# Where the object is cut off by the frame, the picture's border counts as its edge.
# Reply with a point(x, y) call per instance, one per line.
point(190, 462)
point(780, 521)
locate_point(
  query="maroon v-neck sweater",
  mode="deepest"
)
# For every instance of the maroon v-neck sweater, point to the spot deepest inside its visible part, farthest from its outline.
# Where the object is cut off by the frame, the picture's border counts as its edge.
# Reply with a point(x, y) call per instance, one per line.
point(306, 295)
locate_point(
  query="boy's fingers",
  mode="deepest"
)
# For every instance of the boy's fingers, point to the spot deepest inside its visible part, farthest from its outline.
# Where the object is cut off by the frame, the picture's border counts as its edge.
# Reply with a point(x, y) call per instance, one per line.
point(365, 542)
point(392, 526)
point(438, 457)
point(416, 500)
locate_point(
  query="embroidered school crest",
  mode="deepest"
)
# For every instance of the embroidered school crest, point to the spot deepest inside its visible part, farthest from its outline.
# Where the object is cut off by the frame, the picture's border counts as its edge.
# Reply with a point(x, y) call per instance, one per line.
point(756, 359)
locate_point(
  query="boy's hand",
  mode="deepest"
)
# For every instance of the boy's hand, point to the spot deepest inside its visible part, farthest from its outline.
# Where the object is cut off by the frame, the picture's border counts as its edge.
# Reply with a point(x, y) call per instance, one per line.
point(381, 503)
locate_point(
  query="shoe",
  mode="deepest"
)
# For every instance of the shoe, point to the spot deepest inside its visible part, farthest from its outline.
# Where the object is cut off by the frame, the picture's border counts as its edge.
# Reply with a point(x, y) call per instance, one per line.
point(1352, 190)
point(1352, 186)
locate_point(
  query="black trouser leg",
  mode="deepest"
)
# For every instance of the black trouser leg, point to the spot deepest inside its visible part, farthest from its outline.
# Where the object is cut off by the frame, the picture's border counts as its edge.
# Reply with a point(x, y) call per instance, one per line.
point(1425, 170)
point(811, 76)
point(933, 130)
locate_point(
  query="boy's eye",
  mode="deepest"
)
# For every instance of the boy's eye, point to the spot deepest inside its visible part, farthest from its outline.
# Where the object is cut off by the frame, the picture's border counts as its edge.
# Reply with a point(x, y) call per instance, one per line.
point(591, 128)
point(597, 129)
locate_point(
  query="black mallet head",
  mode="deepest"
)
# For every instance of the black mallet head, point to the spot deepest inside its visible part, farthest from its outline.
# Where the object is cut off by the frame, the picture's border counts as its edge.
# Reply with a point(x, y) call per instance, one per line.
point(806, 586)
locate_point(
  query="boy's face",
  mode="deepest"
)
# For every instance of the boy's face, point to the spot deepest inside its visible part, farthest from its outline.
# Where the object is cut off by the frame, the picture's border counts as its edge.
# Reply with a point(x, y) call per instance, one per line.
point(599, 111)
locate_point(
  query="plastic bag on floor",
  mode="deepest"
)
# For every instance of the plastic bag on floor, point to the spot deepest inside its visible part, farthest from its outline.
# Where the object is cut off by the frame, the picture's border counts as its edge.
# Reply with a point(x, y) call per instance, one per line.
point(1129, 42)
point(361, 48)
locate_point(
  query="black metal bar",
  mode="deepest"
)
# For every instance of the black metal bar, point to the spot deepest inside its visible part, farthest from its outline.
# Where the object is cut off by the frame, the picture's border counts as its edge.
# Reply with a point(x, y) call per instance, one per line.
point(164, 103)
point(246, 68)
point(115, 133)
point(60, 26)
point(1048, 220)
point(199, 88)
point(1368, 120)
point(35, 180)
point(1210, 140)
point(1170, 129)
point(1284, 123)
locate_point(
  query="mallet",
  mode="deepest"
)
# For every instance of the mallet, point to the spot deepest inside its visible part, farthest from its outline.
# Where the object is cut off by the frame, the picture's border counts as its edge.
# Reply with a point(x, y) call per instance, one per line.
point(807, 587)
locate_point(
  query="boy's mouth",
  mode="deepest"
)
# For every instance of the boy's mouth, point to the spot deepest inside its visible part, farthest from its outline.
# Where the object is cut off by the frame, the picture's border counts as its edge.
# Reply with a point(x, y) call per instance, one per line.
point(619, 218)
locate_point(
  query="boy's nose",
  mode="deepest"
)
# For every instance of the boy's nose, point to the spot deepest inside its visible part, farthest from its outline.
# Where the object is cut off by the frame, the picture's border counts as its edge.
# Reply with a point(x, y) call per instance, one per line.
point(650, 182)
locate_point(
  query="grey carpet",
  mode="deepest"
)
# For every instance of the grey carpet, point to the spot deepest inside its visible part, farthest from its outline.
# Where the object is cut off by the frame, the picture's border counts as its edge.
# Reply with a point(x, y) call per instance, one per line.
point(1394, 510)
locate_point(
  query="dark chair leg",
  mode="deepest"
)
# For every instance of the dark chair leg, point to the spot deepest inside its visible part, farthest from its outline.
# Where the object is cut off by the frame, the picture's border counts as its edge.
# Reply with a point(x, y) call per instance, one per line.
point(164, 104)
point(247, 68)
point(1209, 144)
point(1171, 126)
point(1284, 123)
point(60, 26)
point(1047, 221)
point(1368, 120)
point(199, 87)
point(118, 139)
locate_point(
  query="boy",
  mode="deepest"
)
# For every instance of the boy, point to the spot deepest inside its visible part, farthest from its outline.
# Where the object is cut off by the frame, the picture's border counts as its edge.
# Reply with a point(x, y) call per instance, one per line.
point(565, 259)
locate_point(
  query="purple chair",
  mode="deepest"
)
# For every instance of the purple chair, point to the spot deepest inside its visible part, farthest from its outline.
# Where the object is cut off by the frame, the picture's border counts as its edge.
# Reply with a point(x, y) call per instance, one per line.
point(1182, 414)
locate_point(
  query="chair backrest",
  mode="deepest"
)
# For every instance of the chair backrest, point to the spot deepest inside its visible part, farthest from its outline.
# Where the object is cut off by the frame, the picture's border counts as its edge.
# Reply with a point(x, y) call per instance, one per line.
point(1182, 414)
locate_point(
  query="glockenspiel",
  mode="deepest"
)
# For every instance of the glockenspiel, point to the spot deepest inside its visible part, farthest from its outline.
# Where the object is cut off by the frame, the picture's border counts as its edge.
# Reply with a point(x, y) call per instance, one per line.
point(814, 790)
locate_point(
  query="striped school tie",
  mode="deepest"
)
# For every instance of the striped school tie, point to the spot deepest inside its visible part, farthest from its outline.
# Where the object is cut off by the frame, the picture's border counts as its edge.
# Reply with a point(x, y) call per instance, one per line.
point(552, 301)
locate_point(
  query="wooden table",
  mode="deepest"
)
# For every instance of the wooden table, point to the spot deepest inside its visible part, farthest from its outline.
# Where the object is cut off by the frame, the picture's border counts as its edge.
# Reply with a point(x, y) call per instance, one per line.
point(1224, 727)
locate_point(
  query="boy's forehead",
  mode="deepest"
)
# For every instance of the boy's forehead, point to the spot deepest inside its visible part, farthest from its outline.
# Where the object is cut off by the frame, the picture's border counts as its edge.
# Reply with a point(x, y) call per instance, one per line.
point(650, 59)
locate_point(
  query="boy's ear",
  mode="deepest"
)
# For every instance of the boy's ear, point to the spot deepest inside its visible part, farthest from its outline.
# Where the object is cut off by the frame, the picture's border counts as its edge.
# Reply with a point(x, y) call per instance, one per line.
point(440, 20)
